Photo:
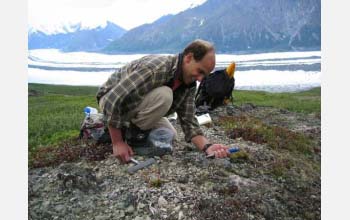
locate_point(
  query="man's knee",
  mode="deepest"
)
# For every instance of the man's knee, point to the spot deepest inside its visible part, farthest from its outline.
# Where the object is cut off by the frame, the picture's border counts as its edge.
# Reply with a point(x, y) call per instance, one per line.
point(152, 108)
point(165, 96)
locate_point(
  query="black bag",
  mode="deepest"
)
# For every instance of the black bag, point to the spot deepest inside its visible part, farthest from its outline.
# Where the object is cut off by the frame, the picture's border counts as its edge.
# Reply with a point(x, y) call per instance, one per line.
point(213, 91)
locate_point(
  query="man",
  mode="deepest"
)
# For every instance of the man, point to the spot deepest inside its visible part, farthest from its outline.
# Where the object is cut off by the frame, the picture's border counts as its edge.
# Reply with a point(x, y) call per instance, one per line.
point(146, 90)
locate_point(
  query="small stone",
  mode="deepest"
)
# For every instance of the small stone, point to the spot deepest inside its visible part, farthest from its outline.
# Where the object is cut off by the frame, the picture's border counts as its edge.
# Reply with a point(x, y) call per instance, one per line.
point(181, 215)
point(59, 208)
point(140, 206)
point(177, 208)
point(176, 200)
point(138, 218)
point(162, 201)
point(46, 204)
point(120, 205)
point(102, 217)
point(121, 214)
point(130, 209)
point(183, 179)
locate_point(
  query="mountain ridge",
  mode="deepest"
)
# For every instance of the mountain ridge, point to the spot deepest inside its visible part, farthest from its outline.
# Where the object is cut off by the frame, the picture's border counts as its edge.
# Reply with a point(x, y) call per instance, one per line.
point(75, 37)
point(232, 26)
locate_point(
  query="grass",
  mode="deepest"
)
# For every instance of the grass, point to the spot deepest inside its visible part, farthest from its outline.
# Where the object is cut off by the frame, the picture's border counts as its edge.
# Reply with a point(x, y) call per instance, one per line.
point(45, 89)
point(304, 102)
point(253, 129)
point(56, 112)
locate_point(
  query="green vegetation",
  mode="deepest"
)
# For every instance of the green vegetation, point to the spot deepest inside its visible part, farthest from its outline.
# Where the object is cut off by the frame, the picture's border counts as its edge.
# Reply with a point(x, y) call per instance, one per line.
point(253, 129)
point(55, 112)
point(44, 89)
point(239, 156)
point(305, 102)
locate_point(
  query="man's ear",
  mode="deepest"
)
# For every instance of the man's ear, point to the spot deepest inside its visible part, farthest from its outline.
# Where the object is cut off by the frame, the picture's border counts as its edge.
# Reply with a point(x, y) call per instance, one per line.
point(188, 57)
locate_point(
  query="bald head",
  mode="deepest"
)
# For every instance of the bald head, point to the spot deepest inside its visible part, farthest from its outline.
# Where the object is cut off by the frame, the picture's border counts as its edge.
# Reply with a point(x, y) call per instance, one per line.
point(199, 60)
point(199, 48)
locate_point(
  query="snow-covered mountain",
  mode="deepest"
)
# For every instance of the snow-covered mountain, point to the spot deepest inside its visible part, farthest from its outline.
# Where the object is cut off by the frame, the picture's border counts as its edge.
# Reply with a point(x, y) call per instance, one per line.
point(73, 36)
point(232, 25)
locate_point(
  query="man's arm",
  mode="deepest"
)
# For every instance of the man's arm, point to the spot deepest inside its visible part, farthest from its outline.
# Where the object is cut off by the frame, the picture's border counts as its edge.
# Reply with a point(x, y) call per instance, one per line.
point(120, 149)
point(218, 150)
point(113, 107)
point(199, 141)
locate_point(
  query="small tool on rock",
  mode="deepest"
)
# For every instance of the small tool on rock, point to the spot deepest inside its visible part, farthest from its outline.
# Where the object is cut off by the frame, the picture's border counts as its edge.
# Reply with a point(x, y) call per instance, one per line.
point(140, 165)
point(230, 151)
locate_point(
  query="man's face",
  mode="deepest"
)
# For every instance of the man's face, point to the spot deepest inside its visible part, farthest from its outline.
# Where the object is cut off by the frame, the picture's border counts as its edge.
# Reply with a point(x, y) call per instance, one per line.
point(194, 70)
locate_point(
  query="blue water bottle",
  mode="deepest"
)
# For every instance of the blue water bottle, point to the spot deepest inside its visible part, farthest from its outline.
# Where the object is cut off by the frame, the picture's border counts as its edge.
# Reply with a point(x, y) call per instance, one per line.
point(90, 110)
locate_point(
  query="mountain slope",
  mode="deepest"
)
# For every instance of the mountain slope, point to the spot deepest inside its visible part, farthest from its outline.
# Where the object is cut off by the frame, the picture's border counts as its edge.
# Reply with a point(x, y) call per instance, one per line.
point(233, 26)
point(75, 38)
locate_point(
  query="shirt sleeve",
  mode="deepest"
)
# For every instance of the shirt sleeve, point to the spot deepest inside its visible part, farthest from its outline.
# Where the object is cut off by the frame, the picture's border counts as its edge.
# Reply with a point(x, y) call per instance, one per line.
point(188, 121)
point(115, 98)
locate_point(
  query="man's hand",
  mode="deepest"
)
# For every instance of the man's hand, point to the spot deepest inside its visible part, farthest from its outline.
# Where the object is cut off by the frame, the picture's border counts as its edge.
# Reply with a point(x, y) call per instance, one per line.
point(219, 150)
point(122, 151)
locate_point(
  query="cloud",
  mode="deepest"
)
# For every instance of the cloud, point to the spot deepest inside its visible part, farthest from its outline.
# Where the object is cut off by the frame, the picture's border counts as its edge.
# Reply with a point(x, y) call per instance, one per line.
point(88, 3)
point(126, 13)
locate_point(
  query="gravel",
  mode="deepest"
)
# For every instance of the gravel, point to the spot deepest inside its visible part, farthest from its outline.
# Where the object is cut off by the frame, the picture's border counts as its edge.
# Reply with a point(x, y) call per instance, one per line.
point(193, 187)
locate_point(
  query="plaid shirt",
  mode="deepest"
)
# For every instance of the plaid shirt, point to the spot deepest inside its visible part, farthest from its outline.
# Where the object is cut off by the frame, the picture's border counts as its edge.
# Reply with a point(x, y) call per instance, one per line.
point(125, 88)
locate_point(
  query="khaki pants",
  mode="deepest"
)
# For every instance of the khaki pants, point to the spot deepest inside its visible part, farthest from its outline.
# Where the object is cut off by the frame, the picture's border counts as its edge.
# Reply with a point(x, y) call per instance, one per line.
point(152, 109)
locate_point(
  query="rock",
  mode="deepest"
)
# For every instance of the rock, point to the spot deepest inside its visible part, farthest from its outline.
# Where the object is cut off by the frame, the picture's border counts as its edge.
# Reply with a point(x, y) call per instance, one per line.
point(59, 208)
point(177, 208)
point(248, 107)
point(194, 186)
point(120, 205)
point(102, 217)
point(130, 200)
point(130, 209)
point(121, 214)
point(181, 215)
point(232, 110)
point(235, 180)
point(162, 202)
point(141, 206)
point(182, 179)
point(222, 163)
point(46, 204)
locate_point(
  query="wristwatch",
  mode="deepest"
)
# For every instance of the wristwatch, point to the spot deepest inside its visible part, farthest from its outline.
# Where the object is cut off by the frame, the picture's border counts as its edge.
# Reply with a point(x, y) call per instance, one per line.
point(205, 148)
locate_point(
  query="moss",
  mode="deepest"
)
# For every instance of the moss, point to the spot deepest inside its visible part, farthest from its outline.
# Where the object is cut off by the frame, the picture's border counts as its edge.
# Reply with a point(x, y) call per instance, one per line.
point(240, 155)
point(69, 151)
point(253, 129)
point(156, 182)
point(280, 168)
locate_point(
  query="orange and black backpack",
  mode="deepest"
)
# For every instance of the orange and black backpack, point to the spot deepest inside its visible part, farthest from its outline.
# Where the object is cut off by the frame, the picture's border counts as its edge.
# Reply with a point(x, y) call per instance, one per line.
point(215, 89)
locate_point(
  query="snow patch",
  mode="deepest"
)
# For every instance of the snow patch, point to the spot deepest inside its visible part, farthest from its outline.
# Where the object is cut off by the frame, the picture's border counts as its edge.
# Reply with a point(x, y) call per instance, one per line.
point(267, 80)
point(198, 3)
point(66, 27)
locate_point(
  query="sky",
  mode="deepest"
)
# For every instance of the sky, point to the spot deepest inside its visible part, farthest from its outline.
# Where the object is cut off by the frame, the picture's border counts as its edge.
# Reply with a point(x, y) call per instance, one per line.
point(128, 14)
